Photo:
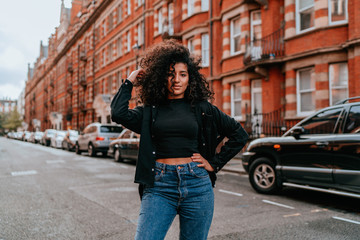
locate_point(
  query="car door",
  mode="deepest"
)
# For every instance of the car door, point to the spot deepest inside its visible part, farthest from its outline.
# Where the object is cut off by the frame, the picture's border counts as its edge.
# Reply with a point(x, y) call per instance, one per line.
point(134, 145)
point(346, 167)
point(308, 157)
point(124, 143)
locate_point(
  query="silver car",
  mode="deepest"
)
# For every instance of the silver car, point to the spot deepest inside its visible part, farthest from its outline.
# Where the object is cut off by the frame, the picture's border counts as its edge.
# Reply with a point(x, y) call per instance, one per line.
point(96, 137)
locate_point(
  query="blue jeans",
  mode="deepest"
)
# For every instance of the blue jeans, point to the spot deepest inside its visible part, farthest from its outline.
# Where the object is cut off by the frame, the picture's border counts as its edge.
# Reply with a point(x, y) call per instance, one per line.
point(178, 189)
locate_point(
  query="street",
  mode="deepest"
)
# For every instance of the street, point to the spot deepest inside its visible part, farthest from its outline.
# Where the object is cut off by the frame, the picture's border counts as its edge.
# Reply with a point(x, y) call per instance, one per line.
point(48, 193)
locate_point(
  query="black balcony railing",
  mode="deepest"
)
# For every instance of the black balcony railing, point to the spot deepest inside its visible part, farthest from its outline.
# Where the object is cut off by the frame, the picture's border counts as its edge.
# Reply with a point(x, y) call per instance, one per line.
point(269, 47)
point(267, 124)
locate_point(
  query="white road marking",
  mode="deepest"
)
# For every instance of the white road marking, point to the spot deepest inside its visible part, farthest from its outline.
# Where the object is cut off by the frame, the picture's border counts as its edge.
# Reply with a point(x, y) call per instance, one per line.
point(318, 210)
point(23, 173)
point(232, 193)
point(277, 204)
point(346, 220)
point(54, 161)
point(292, 215)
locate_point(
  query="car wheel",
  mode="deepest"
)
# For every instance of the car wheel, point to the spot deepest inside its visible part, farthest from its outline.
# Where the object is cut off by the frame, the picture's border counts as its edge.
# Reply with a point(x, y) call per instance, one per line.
point(91, 150)
point(77, 149)
point(262, 176)
point(117, 156)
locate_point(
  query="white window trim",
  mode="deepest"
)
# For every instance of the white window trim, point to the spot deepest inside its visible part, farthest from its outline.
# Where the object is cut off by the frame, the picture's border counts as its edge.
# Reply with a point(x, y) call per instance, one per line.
point(205, 42)
point(238, 118)
point(128, 41)
point(119, 47)
point(232, 36)
point(254, 23)
point(339, 87)
point(298, 99)
point(128, 10)
point(338, 22)
point(189, 44)
point(298, 18)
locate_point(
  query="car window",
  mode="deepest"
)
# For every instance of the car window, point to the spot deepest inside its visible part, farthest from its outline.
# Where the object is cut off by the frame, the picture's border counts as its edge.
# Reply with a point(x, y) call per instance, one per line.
point(126, 134)
point(322, 123)
point(352, 124)
point(110, 129)
point(86, 130)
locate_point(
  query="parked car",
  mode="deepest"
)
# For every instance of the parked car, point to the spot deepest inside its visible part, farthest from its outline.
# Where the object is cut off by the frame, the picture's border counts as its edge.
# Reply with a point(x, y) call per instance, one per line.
point(57, 139)
point(126, 146)
point(48, 134)
point(70, 139)
point(37, 137)
point(96, 138)
point(26, 136)
point(321, 152)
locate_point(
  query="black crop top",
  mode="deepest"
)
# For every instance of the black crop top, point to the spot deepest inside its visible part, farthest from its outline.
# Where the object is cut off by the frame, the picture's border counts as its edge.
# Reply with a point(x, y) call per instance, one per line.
point(175, 130)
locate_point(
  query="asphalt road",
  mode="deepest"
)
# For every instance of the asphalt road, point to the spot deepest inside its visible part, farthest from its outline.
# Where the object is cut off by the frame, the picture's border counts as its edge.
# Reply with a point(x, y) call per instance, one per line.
point(48, 193)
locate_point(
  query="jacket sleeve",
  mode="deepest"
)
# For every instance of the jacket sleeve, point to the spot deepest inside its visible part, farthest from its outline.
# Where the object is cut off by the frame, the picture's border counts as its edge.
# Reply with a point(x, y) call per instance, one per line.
point(226, 126)
point(120, 112)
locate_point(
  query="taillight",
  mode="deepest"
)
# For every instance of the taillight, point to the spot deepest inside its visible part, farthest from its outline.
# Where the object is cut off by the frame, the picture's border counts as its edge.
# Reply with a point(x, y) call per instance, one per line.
point(100, 138)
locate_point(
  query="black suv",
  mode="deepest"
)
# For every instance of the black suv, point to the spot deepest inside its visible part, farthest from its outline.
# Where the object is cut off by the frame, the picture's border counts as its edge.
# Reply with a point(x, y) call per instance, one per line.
point(322, 152)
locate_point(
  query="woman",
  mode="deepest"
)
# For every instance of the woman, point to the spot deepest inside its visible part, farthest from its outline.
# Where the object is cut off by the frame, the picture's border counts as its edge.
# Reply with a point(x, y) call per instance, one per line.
point(180, 131)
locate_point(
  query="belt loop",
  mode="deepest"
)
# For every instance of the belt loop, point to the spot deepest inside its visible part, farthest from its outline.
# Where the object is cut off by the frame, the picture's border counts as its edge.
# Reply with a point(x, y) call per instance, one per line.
point(189, 165)
point(164, 167)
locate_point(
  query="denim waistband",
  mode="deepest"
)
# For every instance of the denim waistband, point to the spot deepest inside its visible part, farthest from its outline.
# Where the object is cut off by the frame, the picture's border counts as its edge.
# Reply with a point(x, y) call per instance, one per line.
point(174, 168)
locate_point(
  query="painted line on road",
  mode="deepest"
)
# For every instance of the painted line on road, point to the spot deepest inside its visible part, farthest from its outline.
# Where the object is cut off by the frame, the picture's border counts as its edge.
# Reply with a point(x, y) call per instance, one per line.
point(277, 204)
point(54, 161)
point(231, 193)
point(292, 215)
point(346, 220)
point(24, 173)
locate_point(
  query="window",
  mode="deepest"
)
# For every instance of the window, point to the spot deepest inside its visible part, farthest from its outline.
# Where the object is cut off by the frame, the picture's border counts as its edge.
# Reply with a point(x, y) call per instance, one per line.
point(352, 124)
point(128, 7)
point(204, 5)
point(110, 84)
point(235, 34)
point(190, 7)
point(160, 20)
point(171, 18)
point(236, 100)
point(337, 11)
point(191, 46)
point(140, 2)
point(104, 57)
point(140, 33)
point(104, 28)
point(119, 46)
point(205, 49)
point(110, 52)
point(128, 41)
point(304, 15)
point(322, 123)
point(338, 80)
point(111, 22)
point(120, 13)
point(256, 35)
point(305, 82)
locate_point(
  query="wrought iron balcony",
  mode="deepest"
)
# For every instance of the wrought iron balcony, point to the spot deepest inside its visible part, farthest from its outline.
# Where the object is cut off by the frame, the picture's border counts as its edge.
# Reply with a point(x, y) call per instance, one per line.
point(83, 56)
point(70, 68)
point(268, 48)
point(83, 80)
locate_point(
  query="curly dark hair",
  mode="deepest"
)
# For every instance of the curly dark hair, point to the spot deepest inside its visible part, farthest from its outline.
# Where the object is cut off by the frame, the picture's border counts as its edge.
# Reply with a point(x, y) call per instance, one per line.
point(158, 65)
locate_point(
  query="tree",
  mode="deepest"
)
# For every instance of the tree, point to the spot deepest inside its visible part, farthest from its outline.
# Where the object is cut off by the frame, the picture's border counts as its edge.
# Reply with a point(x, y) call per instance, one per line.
point(13, 121)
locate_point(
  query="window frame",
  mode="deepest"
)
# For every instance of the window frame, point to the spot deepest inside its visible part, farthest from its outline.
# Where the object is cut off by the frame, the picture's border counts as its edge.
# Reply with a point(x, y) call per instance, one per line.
point(232, 36)
point(298, 93)
point(204, 5)
point(235, 100)
point(160, 21)
point(190, 7)
point(298, 11)
point(205, 42)
point(338, 87)
point(341, 21)
point(190, 45)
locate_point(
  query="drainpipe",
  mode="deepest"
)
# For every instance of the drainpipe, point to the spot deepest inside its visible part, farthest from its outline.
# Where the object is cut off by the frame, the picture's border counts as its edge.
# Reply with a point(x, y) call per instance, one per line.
point(93, 72)
point(78, 90)
point(211, 41)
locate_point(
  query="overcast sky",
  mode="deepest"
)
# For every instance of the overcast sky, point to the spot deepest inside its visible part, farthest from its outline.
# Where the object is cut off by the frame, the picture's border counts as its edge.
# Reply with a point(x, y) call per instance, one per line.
point(23, 24)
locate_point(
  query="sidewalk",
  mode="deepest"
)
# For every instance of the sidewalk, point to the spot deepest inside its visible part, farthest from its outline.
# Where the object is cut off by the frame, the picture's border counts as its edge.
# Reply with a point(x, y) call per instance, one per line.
point(235, 166)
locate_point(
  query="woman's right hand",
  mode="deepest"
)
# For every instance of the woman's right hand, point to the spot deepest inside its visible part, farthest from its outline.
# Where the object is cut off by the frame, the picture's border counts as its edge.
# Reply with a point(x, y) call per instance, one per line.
point(135, 74)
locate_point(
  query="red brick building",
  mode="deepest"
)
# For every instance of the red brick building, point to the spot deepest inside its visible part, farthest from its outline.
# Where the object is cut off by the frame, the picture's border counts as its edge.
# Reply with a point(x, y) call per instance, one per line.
point(270, 63)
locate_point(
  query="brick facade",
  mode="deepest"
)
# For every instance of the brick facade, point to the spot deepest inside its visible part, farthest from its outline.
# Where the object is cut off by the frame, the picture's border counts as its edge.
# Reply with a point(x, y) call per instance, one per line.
point(263, 57)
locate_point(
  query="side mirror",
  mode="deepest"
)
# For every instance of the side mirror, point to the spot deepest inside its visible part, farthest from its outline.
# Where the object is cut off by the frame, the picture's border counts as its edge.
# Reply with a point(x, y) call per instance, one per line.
point(297, 131)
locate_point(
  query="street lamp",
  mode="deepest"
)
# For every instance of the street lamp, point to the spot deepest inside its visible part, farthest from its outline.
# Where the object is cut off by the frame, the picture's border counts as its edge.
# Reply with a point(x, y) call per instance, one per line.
point(136, 49)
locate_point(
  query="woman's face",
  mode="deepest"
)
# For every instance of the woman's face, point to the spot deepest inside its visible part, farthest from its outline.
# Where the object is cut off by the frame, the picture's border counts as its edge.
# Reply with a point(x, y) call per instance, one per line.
point(178, 85)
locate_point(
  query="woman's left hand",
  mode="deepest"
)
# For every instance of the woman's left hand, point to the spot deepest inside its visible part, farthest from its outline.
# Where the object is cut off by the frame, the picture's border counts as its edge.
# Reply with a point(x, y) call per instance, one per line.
point(196, 157)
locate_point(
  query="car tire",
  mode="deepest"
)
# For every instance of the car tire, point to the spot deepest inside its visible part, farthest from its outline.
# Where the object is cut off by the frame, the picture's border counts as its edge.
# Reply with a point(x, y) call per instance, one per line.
point(91, 150)
point(117, 156)
point(77, 149)
point(262, 176)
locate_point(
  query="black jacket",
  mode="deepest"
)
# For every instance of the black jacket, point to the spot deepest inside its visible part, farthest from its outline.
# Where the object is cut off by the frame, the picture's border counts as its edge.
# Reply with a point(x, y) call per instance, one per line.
point(214, 126)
